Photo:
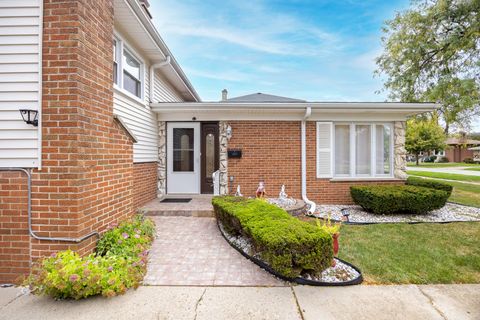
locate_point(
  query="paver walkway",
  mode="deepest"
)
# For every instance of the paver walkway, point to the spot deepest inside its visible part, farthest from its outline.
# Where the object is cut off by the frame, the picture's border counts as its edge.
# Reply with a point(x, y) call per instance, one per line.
point(191, 251)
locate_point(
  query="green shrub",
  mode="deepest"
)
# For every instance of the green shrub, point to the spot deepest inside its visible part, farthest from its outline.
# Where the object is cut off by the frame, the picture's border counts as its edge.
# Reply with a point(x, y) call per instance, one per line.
point(468, 160)
point(119, 264)
point(398, 199)
point(438, 185)
point(442, 159)
point(290, 246)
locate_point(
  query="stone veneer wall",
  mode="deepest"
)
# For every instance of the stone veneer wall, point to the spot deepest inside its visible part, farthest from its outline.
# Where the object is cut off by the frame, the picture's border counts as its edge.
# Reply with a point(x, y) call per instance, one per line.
point(162, 158)
point(223, 158)
point(400, 154)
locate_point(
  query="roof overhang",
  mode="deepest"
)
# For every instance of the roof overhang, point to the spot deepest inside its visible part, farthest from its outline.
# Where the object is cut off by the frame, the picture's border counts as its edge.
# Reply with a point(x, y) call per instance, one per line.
point(333, 111)
point(132, 21)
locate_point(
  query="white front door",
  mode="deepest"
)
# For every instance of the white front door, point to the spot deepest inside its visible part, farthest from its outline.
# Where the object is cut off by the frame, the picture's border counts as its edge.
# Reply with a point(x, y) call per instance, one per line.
point(183, 157)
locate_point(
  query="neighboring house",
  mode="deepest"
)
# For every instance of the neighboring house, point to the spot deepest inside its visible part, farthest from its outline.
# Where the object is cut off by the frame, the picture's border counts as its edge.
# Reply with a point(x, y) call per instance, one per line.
point(458, 149)
point(120, 124)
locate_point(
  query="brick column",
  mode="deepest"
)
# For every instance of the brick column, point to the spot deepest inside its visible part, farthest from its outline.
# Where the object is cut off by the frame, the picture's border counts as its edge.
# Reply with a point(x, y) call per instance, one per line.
point(87, 177)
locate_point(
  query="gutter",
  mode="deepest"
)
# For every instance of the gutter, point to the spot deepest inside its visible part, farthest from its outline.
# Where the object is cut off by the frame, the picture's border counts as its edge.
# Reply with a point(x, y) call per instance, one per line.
point(313, 206)
point(152, 75)
point(30, 230)
point(334, 106)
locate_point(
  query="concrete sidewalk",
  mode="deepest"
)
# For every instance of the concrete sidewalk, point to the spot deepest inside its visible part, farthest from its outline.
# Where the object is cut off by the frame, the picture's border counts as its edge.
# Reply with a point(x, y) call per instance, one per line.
point(297, 302)
point(455, 170)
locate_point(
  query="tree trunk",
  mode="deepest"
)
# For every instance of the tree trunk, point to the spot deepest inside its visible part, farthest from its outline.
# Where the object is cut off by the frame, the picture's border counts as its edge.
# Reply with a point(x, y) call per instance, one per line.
point(416, 158)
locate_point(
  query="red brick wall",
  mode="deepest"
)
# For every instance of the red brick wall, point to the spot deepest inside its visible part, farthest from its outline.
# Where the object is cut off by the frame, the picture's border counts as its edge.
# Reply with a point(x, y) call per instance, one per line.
point(14, 238)
point(458, 153)
point(86, 181)
point(144, 183)
point(271, 151)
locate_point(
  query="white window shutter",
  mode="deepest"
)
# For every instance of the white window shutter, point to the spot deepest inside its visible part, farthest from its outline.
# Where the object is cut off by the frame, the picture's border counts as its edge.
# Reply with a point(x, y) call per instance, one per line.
point(324, 149)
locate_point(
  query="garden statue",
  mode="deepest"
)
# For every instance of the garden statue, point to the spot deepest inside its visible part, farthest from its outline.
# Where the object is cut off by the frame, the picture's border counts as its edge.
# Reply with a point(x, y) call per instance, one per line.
point(260, 190)
point(282, 195)
point(238, 193)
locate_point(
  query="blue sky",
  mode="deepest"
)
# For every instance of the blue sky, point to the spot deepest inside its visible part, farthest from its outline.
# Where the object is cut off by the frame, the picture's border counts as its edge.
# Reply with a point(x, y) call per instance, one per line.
point(316, 50)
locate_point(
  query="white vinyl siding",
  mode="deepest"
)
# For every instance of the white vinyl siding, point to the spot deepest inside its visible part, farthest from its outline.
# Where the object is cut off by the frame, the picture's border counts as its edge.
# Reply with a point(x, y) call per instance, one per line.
point(163, 91)
point(324, 149)
point(20, 81)
point(138, 116)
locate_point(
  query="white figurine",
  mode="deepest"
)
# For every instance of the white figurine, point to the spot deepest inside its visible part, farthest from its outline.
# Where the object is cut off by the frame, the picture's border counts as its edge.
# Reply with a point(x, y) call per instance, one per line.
point(238, 193)
point(282, 195)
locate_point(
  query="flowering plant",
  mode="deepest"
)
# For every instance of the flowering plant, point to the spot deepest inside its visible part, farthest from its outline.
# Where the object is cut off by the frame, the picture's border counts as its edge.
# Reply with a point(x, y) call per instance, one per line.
point(118, 264)
point(328, 226)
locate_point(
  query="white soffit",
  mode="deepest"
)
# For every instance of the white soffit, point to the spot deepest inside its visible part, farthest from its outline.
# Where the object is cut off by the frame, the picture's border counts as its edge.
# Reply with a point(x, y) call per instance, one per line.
point(360, 111)
point(130, 25)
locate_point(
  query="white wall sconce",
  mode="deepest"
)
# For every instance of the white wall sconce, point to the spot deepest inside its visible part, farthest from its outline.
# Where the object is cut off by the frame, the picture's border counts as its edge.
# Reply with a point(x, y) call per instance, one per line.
point(229, 133)
point(30, 116)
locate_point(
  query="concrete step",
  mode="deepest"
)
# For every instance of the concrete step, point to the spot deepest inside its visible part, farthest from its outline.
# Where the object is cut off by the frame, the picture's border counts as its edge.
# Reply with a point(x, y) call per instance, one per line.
point(179, 213)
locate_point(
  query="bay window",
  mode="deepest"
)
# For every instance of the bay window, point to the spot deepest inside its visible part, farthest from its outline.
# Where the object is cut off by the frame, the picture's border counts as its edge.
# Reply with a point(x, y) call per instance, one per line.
point(359, 150)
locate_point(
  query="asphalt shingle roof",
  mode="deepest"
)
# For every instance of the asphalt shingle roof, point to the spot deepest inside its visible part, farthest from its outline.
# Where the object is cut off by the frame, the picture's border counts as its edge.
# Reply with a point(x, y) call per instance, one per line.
point(263, 97)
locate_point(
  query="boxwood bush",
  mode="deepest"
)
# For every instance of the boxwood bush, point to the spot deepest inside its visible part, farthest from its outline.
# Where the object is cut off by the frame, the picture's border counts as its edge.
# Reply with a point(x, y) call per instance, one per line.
point(290, 246)
point(398, 199)
point(118, 264)
point(438, 185)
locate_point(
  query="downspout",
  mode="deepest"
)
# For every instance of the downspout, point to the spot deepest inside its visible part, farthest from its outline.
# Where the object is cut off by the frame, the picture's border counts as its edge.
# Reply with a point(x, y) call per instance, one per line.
point(30, 230)
point(312, 204)
point(152, 75)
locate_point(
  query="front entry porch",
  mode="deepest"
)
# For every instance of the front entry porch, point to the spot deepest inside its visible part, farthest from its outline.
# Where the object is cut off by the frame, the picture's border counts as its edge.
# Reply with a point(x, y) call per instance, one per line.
point(200, 205)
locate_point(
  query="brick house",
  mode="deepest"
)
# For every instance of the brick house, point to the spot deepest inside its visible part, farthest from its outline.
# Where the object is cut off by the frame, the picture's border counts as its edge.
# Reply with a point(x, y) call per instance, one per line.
point(458, 149)
point(120, 124)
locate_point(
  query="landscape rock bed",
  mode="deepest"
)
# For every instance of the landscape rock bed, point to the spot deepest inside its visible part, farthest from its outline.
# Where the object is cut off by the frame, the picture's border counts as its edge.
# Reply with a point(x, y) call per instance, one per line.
point(451, 212)
point(342, 274)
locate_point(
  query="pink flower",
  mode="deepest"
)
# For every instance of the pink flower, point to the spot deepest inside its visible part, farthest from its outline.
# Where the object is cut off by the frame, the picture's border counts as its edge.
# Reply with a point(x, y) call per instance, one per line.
point(125, 235)
point(110, 269)
point(137, 236)
point(137, 231)
point(53, 255)
point(73, 277)
point(119, 241)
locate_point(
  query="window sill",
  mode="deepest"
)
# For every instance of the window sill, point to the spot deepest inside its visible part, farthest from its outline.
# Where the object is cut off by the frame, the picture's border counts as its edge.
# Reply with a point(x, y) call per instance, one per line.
point(353, 179)
point(128, 95)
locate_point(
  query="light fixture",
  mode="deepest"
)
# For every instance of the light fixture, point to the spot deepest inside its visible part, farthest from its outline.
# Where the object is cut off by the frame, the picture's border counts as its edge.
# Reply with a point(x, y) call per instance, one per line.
point(345, 214)
point(30, 116)
point(229, 132)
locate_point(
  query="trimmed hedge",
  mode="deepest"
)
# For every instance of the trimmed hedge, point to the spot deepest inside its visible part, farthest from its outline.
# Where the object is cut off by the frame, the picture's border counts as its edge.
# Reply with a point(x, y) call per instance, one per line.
point(438, 185)
point(398, 199)
point(290, 246)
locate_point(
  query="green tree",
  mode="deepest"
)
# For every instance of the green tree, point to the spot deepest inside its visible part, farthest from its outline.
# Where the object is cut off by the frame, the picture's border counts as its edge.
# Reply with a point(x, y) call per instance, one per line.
point(424, 135)
point(432, 53)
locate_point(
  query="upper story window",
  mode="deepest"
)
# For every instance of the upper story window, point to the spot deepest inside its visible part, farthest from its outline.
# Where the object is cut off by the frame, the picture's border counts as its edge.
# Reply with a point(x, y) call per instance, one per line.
point(128, 70)
point(131, 74)
point(354, 150)
point(116, 62)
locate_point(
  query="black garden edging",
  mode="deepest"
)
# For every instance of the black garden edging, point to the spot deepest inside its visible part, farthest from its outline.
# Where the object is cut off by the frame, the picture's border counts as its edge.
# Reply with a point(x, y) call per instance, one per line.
point(297, 280)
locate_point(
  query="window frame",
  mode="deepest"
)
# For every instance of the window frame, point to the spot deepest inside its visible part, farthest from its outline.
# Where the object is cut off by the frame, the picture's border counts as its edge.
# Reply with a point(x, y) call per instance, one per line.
point(123, 46)
point(373, 161)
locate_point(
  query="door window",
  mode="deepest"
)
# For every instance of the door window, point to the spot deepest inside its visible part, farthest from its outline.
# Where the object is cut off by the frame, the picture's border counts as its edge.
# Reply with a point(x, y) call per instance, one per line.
point(183, 149)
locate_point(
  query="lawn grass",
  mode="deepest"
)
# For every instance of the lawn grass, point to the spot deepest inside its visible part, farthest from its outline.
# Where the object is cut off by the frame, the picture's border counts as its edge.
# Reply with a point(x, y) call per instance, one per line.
point(441, 175)
point(420, 253)
point(463, 192)
point(442, 165)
